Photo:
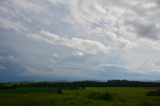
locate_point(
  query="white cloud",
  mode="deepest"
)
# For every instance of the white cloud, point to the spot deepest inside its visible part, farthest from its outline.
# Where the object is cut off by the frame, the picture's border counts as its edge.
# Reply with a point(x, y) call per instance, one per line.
point(86, 46)
point(26, 6)
point(124, 43)
point(143, 61)
point(8, 24)
point(57, 1)
point(2, 68)
point(56, 55)
point(78, 53)
point(156, 45)
point(101, 66)
point(142, 65)
point(49, 37)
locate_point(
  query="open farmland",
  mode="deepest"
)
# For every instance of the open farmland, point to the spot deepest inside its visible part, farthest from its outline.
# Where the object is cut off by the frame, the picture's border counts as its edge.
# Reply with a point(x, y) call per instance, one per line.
point(40, 96)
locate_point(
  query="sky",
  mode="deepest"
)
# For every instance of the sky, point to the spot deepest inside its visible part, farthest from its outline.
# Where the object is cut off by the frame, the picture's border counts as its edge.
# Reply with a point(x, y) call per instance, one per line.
point(53, 40)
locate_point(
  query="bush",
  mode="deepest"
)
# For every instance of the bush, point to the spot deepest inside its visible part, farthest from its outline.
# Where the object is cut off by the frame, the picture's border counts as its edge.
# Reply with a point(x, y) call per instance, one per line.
point(122, 100)
point(154, 93)
point(106, 96)
point(100, 96)
point(59, 91)
point(144, 104)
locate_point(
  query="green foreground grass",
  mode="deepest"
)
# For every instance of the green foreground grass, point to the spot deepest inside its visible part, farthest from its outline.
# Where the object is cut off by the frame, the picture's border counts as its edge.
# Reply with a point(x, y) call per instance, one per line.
point(122, 96)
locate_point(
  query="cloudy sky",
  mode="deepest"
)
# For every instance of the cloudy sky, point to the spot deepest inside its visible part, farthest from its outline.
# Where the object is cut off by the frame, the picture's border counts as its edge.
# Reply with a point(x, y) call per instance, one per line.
point(44, 40)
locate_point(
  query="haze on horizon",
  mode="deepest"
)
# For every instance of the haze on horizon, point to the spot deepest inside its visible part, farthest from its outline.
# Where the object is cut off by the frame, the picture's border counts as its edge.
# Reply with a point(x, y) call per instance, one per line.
point(46, 40)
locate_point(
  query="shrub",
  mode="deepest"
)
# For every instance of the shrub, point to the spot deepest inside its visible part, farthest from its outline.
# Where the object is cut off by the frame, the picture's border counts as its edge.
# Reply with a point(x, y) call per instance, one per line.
point(59, 91)
point(154, 93)
point(94, 95)
point(100, 96)
point(144, 104)
point(119, 104)
point(106, 96)
point(123, 100)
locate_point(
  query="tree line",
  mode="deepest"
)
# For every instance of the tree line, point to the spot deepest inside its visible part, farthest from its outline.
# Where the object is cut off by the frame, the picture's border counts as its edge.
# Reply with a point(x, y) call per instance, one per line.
point(81, 84)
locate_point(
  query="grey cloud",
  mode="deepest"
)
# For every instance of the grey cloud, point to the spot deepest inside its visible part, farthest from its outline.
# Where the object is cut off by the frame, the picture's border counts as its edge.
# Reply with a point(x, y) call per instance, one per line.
point(64, 36)
point(146, 30)
point(145, 20)
point(2, 68)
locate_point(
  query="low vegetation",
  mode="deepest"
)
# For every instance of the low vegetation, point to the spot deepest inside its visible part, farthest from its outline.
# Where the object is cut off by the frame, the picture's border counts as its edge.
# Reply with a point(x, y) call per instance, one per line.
point(154, 93)
point(100, 96)
point(76, 94)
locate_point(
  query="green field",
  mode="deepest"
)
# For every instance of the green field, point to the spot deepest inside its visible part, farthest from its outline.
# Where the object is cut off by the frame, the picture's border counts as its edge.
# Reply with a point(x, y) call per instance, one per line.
point(121, 96)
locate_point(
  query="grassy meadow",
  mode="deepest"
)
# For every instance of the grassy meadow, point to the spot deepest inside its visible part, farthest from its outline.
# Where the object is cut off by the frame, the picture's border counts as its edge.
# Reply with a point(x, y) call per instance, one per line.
point(43, 96)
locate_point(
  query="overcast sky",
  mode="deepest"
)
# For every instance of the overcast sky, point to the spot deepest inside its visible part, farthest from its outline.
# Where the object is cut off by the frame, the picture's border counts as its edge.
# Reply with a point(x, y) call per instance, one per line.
point(47, 40)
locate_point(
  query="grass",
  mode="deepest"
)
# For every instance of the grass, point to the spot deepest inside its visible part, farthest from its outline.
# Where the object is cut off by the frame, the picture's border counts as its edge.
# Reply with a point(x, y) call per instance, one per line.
point(28, 90)
point(121, 96)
